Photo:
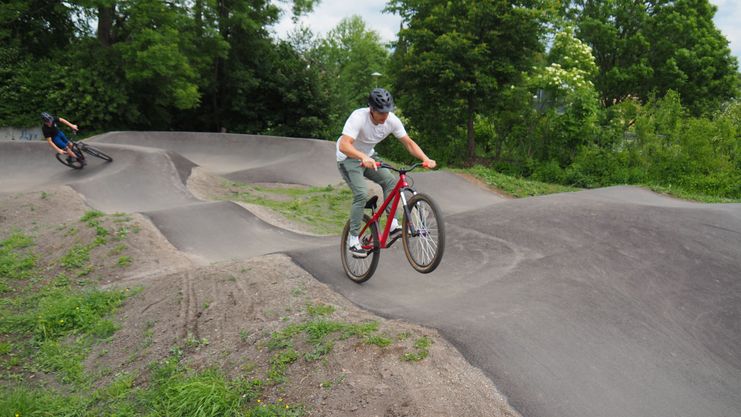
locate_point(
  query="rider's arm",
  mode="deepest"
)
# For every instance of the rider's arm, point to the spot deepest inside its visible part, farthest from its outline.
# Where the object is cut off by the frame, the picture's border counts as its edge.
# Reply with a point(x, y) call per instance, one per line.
point(53, 145)
point(416, 151)
point(347, 147)
point(70, 125)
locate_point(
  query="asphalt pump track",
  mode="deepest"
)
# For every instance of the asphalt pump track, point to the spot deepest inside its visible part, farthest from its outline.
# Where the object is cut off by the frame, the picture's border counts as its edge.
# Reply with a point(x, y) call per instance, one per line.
point(607, 302)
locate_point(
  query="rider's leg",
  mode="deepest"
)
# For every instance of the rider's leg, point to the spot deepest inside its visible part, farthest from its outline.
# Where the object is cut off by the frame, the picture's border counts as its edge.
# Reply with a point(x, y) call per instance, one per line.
point(63, 143)
point(387, 181)
point(352, 173)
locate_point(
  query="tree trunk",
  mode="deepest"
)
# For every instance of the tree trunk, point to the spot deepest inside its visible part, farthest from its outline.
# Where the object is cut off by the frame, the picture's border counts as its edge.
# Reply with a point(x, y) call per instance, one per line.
point(105, 24)
point(471, 148)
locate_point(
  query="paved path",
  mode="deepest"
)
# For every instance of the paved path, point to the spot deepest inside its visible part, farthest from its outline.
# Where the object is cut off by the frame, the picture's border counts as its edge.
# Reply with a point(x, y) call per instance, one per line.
point(608, 302)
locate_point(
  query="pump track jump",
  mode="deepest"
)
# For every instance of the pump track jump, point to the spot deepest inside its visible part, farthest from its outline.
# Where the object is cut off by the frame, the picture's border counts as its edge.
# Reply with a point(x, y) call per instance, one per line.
point(607, 302)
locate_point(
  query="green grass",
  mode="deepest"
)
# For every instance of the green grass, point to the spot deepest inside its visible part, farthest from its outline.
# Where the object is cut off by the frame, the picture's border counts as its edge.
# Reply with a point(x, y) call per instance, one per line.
point(521, 187)
point(691, 196)
point(422, 347)
point(124, 261)
point(514, 186)
point(17, 262)
point(77, 257)
point(323, 209)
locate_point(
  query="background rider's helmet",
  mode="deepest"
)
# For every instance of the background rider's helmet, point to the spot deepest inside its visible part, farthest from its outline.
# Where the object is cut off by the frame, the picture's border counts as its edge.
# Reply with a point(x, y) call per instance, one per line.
point(46, 117)
point(381, 101)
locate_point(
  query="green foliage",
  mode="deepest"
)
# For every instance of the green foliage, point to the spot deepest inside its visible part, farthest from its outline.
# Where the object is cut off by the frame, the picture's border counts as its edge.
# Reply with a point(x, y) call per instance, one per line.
point(453, 59)
point(645, 47)
point(346, 58)
point(662, 146)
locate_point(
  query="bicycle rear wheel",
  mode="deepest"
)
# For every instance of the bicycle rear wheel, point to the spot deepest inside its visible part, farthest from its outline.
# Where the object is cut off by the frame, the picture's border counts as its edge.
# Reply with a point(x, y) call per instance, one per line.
point(361, 269)
point(95, 152)
point(423, 234)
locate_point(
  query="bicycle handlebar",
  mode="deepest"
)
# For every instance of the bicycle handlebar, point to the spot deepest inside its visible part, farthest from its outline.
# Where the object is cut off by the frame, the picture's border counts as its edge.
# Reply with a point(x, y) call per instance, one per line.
point(381, 164)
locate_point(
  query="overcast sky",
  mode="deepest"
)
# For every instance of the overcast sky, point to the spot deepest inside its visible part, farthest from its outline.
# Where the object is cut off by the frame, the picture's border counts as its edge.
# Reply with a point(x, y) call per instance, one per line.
point(330, 12)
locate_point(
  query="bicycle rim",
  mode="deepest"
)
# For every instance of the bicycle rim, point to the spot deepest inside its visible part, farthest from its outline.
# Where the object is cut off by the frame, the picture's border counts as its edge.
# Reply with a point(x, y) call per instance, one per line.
point(63, 159)
point(96, 152)
point(423, 234)
point(361, 269)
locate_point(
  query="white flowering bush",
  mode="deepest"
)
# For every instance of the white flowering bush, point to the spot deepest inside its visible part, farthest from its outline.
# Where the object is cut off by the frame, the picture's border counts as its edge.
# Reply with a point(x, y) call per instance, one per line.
point(571, 70)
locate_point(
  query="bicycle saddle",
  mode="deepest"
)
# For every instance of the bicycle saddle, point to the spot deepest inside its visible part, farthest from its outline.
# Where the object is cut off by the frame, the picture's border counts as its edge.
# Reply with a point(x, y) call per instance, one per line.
point(371, 204)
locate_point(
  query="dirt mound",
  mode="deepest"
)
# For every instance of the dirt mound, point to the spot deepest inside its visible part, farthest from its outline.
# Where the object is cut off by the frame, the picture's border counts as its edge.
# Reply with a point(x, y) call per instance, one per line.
point(227, 315)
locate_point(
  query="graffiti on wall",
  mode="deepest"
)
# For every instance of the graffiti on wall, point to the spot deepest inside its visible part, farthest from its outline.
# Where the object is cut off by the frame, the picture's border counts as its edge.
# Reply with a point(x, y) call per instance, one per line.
point(20, 133)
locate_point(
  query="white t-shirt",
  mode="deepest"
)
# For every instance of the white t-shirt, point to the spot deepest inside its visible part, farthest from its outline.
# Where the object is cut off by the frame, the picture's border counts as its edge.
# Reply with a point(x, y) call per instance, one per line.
point(360, 127)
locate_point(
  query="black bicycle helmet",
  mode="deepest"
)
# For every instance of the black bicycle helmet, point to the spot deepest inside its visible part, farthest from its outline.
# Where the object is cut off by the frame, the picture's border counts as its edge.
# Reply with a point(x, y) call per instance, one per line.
point(381, 101)
point(48, 118)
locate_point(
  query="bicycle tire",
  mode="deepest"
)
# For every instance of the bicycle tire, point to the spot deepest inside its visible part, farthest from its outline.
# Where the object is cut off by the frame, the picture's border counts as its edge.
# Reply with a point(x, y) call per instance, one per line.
point(424, 250)
point(96, 152)
point(360, 270)
point(79, 163)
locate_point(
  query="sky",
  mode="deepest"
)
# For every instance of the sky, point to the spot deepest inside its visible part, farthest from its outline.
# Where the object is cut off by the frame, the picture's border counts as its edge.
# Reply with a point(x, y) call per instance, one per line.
point(329, 13)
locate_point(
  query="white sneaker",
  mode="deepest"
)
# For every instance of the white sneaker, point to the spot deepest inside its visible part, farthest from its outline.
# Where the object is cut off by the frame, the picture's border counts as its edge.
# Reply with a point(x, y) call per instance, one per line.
point(353, 245)
point(395, 228)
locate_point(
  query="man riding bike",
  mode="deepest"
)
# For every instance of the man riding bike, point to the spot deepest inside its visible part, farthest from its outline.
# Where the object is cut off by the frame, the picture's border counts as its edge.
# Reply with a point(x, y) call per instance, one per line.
point(365, 128)
point(55, 137)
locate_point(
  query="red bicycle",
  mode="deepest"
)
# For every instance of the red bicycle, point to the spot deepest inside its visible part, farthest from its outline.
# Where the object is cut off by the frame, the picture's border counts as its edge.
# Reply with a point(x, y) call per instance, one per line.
point(423, 231)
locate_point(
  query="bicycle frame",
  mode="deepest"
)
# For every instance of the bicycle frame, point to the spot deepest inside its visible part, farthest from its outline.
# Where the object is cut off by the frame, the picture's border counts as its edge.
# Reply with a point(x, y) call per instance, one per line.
point(396, 195)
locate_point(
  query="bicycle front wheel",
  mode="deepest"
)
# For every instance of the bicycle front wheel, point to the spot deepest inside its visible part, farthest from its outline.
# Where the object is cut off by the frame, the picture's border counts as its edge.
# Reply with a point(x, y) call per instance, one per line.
point(423, 234)
point(72, 163)
point(360, 269)
point(96, 152)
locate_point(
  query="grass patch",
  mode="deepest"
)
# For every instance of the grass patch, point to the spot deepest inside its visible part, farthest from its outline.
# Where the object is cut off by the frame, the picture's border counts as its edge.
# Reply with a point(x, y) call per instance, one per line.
point(124, 261)
point(422, 347)
point(319, 335)
point(319, 309)
point(91, 215)
point(174, 391)
point(514, 186)
point(16, 260)
point(691, 196)
point(77, 257)
point(521, 187)
point(323, 209)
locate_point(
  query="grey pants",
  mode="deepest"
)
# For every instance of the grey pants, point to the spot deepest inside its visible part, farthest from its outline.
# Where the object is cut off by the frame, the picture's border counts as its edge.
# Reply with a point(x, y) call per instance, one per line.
point(353, 173)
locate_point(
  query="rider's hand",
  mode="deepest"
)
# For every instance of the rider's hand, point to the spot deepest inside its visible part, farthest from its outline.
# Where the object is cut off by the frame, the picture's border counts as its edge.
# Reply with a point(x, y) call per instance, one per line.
point(429, 163)
point(74, 127)
point(369, 163)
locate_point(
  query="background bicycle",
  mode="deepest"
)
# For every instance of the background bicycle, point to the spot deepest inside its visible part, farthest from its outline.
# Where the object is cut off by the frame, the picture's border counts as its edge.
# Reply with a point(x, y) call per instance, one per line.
point(80, 149)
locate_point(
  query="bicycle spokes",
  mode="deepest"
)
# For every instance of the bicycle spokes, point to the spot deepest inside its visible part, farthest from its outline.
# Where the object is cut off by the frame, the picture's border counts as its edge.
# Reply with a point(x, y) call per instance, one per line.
point(361, 268)
point(423, 234)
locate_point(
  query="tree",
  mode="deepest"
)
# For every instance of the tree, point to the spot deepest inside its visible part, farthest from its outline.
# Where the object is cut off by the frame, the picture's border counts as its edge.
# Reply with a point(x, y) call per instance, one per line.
point(345, 60)
point(690, 55)
point(453, 58)
point(36, 27)
point(654, 46)
point(568, 100)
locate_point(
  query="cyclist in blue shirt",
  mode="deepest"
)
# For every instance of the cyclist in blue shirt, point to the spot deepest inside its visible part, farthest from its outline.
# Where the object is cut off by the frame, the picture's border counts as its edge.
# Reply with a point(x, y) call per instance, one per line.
point(55, 136)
